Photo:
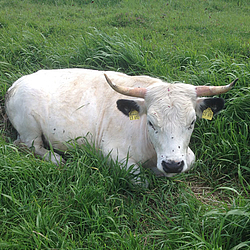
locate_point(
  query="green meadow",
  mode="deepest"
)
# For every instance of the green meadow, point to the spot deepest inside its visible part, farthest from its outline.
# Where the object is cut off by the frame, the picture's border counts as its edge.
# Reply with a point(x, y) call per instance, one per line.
point(90, 202)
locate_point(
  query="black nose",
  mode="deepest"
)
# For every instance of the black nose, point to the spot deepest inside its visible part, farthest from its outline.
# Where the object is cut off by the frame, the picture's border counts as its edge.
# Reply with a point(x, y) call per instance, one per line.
point(172, 166)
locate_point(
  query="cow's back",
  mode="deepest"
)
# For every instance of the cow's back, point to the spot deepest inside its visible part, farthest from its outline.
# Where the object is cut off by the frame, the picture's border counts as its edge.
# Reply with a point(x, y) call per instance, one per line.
point(68, 103)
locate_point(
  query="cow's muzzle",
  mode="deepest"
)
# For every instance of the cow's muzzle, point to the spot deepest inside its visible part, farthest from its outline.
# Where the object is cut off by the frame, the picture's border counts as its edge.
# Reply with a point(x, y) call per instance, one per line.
point(172, 166)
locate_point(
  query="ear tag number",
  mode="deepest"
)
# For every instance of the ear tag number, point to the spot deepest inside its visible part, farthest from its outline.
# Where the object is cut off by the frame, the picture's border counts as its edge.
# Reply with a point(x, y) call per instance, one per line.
point(134, 115)
point(207, 114)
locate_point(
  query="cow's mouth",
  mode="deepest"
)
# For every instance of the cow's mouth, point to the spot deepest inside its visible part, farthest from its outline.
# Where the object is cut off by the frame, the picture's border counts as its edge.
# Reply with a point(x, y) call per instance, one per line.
point(172, 166)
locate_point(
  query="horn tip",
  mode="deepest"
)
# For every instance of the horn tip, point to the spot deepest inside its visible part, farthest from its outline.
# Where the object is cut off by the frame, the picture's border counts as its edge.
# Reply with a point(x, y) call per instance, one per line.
point(106, 76)
point(234, 81)
point(108, 80)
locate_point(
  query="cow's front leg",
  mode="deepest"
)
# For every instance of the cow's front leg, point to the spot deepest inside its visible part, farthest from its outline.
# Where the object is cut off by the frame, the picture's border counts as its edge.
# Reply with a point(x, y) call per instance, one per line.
point(38, 147)
point(138, 178)
point(126, 161)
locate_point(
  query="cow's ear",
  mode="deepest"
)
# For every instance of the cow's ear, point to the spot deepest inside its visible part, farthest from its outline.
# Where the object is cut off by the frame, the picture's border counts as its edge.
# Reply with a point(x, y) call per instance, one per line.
point(126, 106)
point(214, 103)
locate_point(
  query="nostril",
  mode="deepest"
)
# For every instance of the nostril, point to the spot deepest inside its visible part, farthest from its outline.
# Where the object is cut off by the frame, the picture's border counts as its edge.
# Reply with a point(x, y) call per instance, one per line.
point(180, 163)
point(172, 166)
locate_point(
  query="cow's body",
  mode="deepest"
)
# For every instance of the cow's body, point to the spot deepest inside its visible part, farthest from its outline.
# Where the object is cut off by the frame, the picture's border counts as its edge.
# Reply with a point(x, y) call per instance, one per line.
point(65, 104)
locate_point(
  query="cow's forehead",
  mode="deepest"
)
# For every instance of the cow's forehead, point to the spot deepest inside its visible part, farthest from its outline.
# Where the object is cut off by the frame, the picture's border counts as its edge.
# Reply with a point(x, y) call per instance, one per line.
point(171, 103)
point(171, 90)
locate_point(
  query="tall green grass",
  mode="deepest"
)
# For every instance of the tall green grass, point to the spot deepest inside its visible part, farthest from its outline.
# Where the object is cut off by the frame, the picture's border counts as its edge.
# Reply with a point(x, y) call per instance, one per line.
point(90, 202)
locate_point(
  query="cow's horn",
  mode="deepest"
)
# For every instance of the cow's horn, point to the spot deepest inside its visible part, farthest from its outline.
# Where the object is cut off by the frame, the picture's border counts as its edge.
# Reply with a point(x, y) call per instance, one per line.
point(214, 90)
point(135, 92)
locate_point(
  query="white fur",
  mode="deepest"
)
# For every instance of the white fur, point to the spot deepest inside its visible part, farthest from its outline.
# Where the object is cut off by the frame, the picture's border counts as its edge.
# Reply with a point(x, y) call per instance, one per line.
point(70, 103)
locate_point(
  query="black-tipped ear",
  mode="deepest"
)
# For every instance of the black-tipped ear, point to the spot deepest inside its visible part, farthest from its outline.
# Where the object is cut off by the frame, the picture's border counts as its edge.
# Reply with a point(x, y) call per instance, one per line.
point(126, 106)
point(216, 104)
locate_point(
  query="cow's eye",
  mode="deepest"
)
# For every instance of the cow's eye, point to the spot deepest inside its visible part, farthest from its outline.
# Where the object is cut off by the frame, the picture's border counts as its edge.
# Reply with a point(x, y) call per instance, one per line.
point(192, 124)
point(150, 124)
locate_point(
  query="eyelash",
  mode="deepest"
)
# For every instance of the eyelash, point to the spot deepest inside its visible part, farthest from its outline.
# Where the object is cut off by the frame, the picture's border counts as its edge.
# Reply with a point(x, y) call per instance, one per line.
point(192, 123)
point(152, 126)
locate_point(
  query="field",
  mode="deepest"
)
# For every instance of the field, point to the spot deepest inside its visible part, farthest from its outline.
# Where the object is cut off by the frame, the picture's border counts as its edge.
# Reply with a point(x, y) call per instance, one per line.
point(90, 202)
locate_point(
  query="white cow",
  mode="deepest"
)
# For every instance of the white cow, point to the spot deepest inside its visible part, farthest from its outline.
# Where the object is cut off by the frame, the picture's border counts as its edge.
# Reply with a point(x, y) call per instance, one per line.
point(59, 105)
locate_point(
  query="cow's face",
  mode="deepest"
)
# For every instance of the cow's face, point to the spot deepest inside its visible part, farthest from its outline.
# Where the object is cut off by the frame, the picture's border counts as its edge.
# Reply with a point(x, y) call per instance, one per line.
point(171, 112)
point(171, 118)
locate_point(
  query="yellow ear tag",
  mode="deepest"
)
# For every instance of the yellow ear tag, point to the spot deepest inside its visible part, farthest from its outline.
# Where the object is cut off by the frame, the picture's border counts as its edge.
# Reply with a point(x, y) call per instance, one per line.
point(207, 114)
point(134, 115)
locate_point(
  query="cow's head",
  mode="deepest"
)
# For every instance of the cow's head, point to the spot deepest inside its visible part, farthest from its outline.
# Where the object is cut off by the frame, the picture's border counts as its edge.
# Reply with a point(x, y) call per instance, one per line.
point(171, 111)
